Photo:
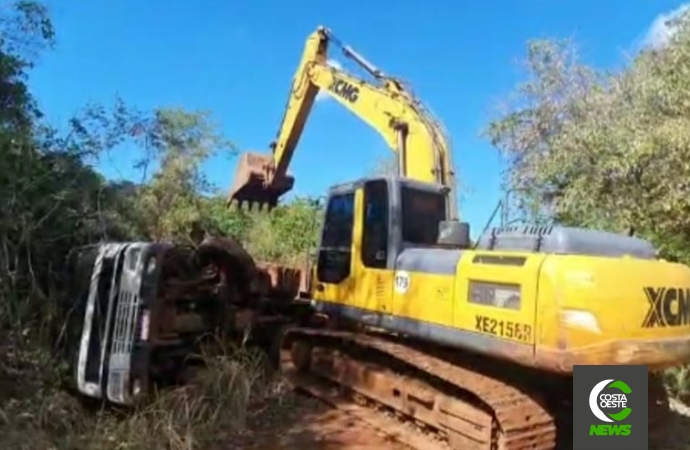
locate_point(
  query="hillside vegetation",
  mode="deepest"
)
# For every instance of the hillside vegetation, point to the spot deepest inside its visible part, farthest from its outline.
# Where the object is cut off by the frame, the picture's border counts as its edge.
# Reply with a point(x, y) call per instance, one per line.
point(606, 150)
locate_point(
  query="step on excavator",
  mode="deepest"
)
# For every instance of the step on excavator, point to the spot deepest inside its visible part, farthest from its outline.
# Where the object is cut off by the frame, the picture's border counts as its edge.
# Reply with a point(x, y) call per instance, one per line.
point(475, 343)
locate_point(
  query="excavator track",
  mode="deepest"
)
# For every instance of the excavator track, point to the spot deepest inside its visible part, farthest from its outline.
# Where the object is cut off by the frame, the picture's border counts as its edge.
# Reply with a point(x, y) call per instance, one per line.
point(469, 410)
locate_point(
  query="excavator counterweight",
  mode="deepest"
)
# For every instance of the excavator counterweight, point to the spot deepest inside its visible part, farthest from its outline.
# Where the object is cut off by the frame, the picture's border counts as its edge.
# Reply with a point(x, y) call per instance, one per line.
point(250, 185)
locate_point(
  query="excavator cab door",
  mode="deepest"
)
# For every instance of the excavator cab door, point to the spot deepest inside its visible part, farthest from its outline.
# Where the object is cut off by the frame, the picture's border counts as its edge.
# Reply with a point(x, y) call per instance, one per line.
point(334, 275)
point(375, 267)
point(355, 265)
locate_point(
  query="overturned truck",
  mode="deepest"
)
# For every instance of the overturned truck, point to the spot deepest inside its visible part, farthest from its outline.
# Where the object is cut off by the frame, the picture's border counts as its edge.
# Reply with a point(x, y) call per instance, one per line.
point(138, 313)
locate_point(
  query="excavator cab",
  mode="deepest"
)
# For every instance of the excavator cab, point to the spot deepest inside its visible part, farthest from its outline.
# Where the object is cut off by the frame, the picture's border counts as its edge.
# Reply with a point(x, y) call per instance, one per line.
point(375, 230)
point(252, 186)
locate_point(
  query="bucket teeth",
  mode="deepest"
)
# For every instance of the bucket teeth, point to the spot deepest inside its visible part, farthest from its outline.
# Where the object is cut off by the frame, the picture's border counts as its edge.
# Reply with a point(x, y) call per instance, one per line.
point(250, 206)
point(251, 187)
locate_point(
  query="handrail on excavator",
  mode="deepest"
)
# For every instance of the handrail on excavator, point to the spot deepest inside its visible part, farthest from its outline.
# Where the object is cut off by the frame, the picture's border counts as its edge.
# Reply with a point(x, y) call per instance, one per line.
point(387, 105)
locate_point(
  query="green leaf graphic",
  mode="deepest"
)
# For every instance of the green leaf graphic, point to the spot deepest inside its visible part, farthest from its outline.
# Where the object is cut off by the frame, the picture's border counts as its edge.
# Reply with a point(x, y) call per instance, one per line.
point(621, 386)
point(621, 415)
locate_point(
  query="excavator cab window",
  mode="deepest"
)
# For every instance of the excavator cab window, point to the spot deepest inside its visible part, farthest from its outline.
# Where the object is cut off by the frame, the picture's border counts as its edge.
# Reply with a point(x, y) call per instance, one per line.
point(375, 237)
point(335, 252)
point(422, 212)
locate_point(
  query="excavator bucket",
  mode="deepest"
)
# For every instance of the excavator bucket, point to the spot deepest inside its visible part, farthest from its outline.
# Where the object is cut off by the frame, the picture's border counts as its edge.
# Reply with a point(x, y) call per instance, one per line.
point(251, 188)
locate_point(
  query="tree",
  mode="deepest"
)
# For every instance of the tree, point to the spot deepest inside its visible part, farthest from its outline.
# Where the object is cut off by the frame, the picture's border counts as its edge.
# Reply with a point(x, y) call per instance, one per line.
point(25, 30)
point(169, 204)
point(50, 200)
point(604, 150)
point(288, 233)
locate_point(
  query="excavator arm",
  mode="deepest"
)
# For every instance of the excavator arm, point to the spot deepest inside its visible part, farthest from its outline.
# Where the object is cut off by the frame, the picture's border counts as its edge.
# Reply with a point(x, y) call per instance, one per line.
point(386, 105)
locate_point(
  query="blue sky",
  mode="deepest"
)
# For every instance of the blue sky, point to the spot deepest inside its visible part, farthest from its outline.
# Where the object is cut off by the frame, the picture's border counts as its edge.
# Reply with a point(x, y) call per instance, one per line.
point(237, 58)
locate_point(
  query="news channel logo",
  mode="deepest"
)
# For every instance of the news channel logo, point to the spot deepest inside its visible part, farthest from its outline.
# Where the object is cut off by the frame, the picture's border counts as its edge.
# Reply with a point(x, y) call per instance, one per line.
point(610, 410)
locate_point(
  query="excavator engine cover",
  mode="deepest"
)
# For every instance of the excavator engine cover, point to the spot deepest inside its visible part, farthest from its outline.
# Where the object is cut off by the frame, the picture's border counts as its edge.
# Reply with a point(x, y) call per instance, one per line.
point(250, 182)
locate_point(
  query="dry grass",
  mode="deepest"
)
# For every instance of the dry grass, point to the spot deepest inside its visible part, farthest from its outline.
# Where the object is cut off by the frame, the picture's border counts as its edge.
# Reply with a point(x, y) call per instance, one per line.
point(677, 382)
point(217, 404)
point(222, 405)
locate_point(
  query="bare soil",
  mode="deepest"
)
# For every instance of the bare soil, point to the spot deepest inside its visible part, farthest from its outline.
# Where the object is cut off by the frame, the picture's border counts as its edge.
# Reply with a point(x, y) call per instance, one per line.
point(308, 424)
point(305, 423)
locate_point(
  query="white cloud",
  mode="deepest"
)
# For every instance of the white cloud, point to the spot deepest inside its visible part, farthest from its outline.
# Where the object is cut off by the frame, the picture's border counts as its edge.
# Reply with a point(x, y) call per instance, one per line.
point(321, 96)
point(663, 28)
point(335, 64)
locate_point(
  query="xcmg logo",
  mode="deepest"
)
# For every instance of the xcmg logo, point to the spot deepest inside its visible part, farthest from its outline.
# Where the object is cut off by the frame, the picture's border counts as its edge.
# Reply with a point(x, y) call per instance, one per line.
point(668, 307)
point(609, 401)
point(344, 89)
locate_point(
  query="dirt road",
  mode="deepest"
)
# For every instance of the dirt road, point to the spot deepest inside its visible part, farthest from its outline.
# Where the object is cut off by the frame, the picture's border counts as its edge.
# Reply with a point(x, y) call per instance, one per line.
point(308, 424)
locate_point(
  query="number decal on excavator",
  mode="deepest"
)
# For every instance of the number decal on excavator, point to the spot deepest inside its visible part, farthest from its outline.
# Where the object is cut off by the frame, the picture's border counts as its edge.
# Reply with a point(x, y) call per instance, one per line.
point(402, 282)
point(503, 328)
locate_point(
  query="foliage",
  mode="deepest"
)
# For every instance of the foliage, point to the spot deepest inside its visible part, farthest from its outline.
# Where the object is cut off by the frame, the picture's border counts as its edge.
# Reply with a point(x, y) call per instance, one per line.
point(178, 142)
point(214, 407)
point(533, 125)
point(288, 234)
point(584, 148)
point(52, 199)
point(26, 30)
point(604, 150)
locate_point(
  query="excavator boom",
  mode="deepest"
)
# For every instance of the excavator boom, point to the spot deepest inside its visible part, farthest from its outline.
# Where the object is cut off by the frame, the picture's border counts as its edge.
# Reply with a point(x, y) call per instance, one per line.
point(384, 104)
point(262, 178)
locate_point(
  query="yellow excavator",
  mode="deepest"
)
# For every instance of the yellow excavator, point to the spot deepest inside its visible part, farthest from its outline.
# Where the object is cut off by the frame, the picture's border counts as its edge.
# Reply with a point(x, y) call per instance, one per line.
point(476, 342)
